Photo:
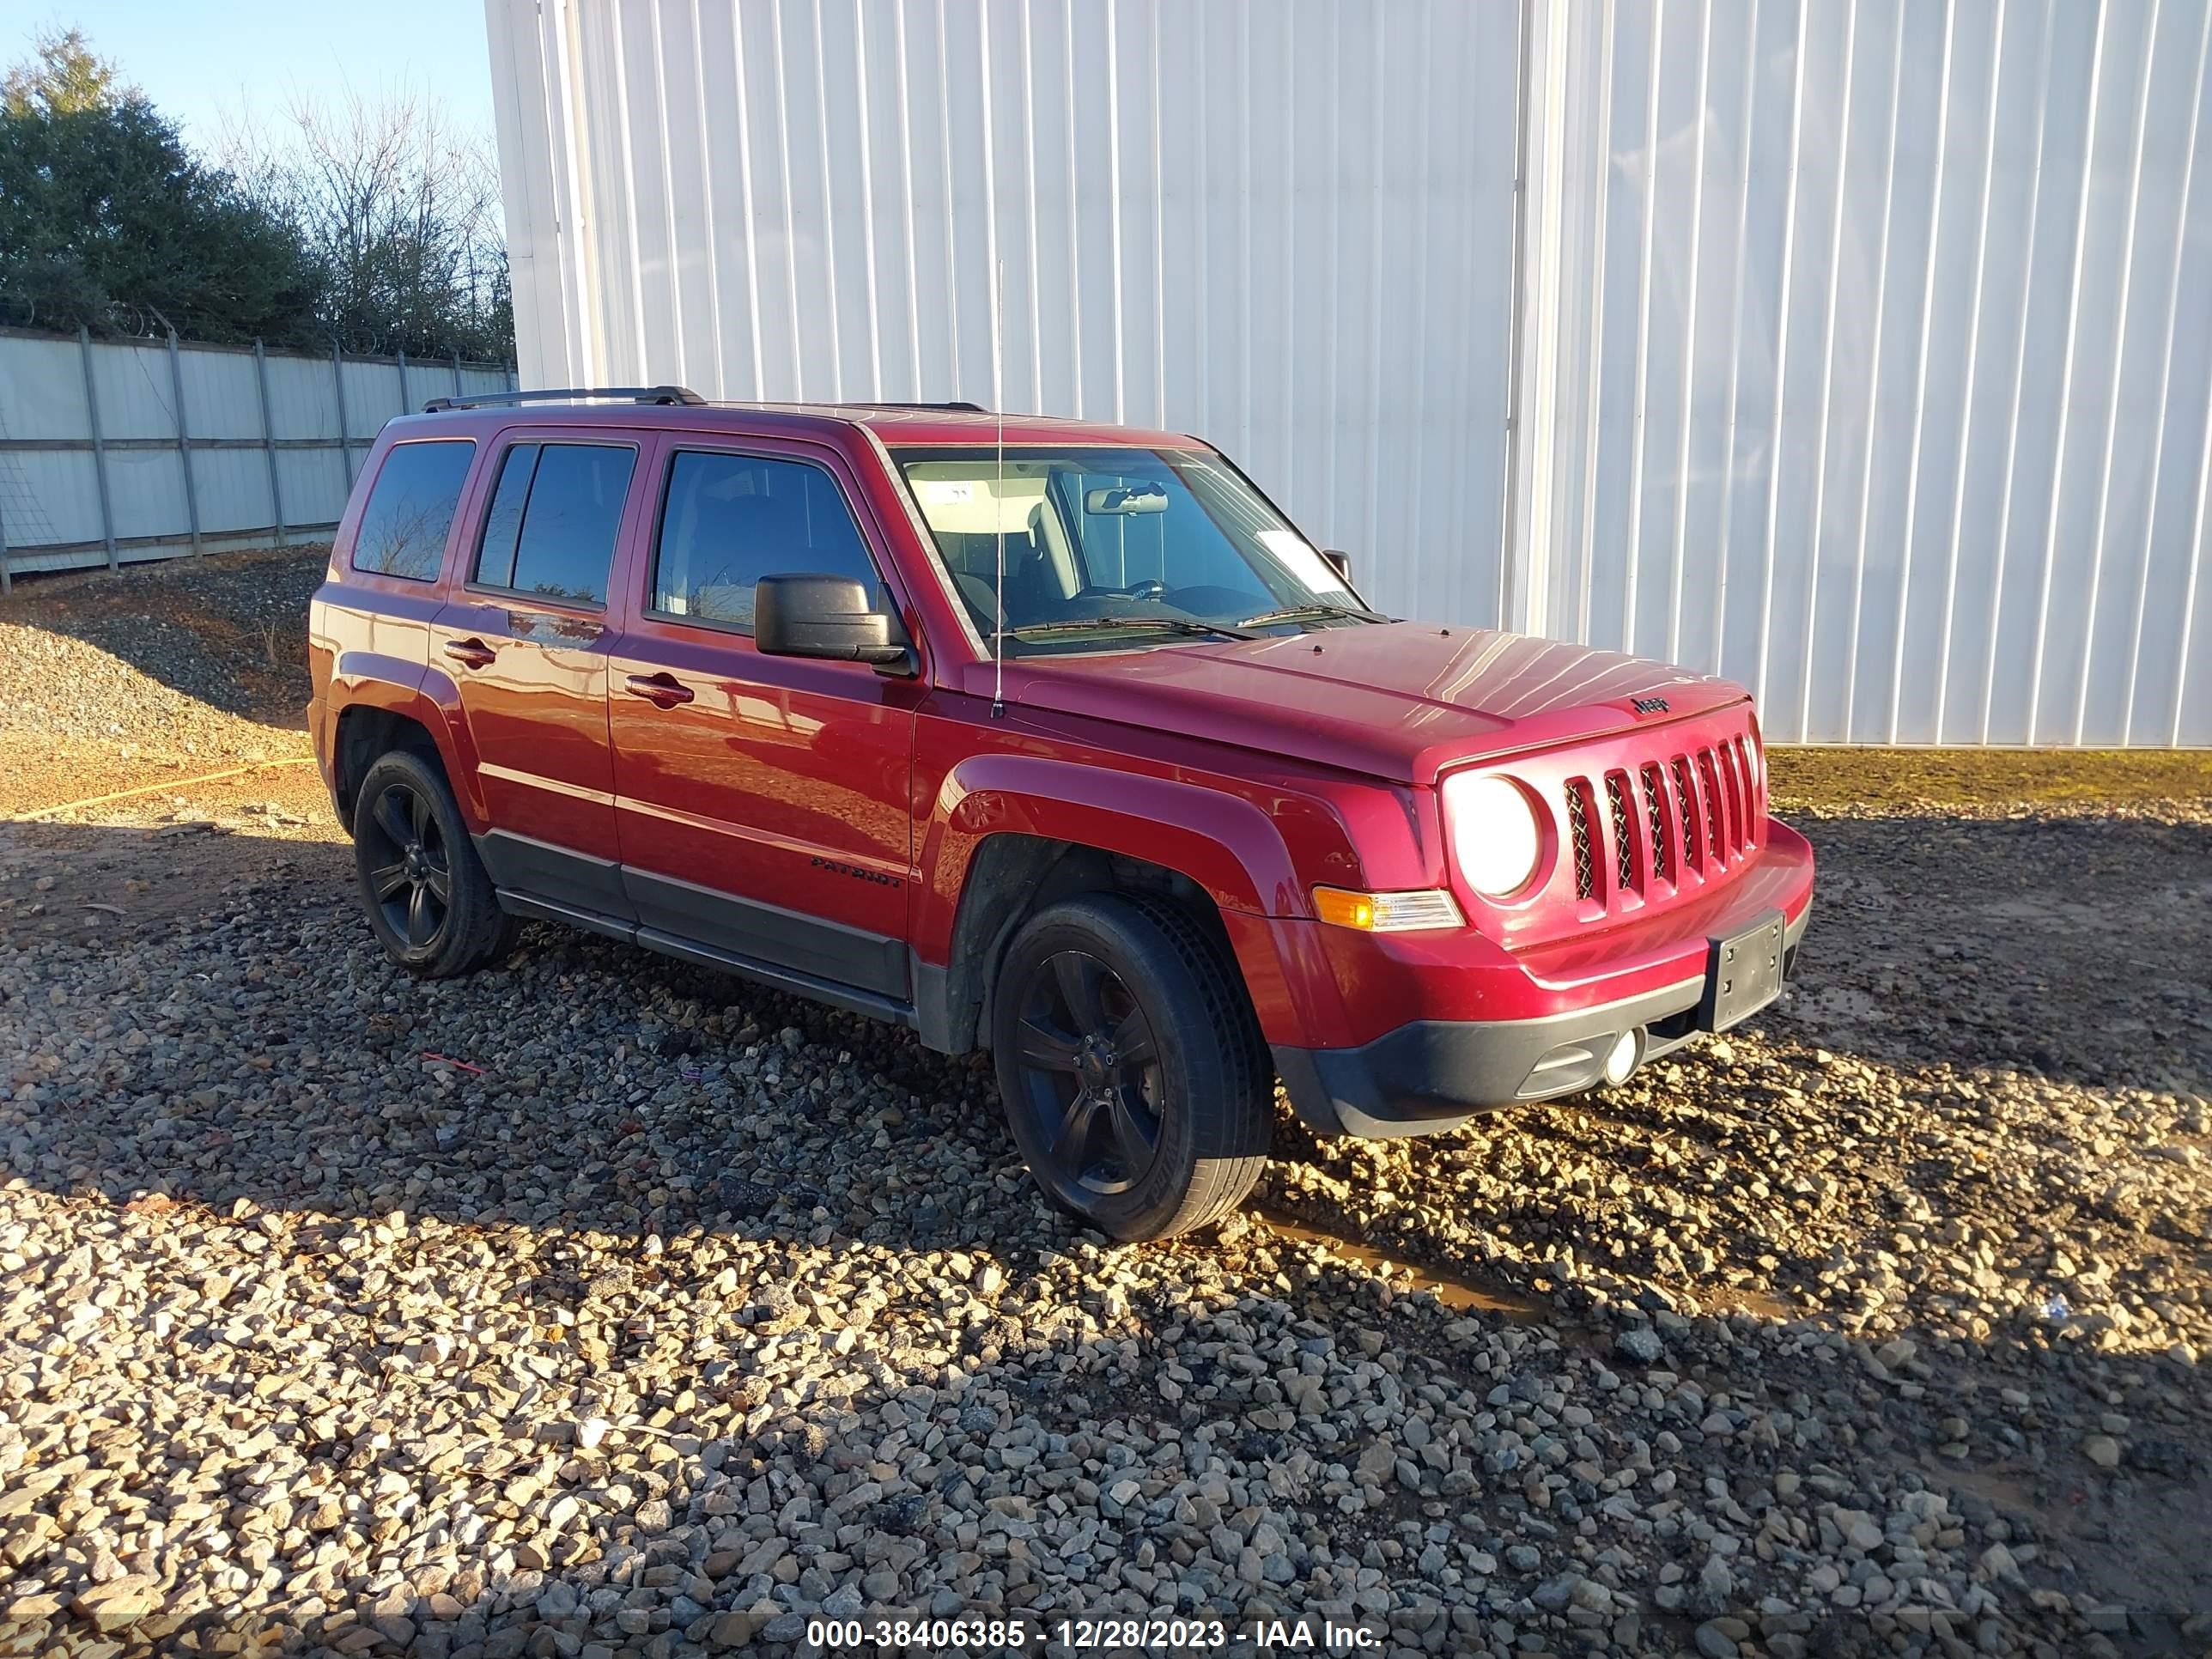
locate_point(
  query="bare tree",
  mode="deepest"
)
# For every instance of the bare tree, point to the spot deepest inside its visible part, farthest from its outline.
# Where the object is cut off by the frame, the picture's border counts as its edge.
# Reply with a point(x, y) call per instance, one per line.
point(401, 214)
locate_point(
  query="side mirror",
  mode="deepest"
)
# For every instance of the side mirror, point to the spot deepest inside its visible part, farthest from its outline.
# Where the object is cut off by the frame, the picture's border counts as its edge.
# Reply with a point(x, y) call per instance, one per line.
point(1339, 561)
point(824, 617)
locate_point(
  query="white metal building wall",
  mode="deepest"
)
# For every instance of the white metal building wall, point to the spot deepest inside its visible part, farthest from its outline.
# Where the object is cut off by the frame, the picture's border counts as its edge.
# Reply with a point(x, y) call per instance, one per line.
point(1881, 326)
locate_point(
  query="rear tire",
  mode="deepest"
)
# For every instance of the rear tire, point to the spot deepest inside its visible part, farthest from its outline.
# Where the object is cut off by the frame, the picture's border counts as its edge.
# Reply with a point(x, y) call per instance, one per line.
point(426, 892)
point(1135, 1079)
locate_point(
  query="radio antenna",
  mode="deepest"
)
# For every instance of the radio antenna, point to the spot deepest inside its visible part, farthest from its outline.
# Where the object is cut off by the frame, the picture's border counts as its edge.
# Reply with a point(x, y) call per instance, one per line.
point(999, 491)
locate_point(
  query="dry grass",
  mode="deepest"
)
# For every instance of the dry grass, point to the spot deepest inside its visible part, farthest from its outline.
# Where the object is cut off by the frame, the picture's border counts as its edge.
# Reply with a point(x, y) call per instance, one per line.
point(1892, 780)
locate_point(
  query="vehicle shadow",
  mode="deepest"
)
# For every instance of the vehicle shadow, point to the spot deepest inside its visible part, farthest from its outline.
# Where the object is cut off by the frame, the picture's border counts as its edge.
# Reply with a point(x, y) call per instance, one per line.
point(603, 1120)
point(229, 630)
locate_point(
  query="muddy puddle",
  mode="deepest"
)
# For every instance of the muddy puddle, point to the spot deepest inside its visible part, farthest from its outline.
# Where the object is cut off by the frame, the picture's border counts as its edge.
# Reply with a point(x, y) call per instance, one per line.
point(1453, 1290)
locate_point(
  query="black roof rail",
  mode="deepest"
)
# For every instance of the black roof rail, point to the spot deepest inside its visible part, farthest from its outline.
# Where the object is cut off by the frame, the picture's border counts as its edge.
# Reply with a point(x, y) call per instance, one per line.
point(624, 394)
point(961, 404)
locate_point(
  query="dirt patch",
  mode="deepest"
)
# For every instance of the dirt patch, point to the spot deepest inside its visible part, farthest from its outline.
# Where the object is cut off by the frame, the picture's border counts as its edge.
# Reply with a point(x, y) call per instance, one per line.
point(1869, 780)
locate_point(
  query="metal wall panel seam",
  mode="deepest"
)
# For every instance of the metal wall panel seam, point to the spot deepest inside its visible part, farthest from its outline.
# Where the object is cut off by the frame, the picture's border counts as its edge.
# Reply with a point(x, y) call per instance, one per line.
point(1595, 390)
point(1975, 309)
point(268, 445)
point(1736, 348)
point(1373, 491)
point(746, 187)
point(2019, 370)
point(1332, 420)
point(99, 448)
point(2126, 295)
point(1159, 232)
point(1677, 551)
point(994, 267)
point(1030, 213)
point(837, 328)
point(1200, 211)
point(183, 443)
point(1114, 193)
point(626, 159)
point(1634, 559)
point(1827, 388)
point(906, 206)
point(2165, 381)
point(1289, 267)
point(1874, 380)
point(591, 275)
point(790, 222)
point(1920, 374)
point(345, 435)
point(1244, 226)
point(1529, 572)
point(721, 351)
point(1512, 547)
point(1782, 354)
point(1074, 221)
point(1423, 358)
point(646, 373)
point(2189, 586)
point(2066, 374)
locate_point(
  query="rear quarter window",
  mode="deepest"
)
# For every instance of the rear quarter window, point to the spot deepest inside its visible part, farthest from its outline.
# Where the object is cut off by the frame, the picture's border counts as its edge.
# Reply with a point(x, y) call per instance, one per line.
point(410, 509)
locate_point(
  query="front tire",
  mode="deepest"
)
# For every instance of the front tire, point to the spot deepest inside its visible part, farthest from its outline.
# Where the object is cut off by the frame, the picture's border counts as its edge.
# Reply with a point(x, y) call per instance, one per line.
point(426, 893)
point(1135, 1076)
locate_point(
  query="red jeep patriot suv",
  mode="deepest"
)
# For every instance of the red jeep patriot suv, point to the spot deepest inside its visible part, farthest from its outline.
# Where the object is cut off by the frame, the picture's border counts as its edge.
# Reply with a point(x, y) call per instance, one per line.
point(1176, 816)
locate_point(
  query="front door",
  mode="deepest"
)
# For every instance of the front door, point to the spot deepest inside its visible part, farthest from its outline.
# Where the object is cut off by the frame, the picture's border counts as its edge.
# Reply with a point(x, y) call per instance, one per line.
point(760, 801)
point(528, 640)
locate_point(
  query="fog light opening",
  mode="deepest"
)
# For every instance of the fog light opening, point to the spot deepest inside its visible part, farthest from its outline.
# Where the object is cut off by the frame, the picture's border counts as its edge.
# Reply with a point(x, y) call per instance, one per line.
point(1621, 1058)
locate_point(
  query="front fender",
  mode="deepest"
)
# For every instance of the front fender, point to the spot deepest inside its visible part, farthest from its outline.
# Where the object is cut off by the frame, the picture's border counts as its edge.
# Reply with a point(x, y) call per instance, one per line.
point(1227, 845)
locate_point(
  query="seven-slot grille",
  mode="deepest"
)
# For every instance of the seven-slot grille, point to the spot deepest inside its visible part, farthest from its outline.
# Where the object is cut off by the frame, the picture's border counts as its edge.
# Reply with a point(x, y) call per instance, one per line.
point(1692, 815)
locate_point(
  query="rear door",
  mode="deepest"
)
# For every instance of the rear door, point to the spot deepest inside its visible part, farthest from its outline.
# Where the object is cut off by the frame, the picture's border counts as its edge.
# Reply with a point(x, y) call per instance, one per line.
point(762, 801)
point(528, 640)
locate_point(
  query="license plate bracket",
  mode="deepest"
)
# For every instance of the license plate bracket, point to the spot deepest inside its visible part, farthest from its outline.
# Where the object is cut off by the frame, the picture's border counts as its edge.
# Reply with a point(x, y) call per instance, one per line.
point(1743, 973)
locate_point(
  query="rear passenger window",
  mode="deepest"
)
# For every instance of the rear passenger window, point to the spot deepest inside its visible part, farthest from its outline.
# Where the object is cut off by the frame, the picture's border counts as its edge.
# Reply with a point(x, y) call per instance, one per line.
point(553, 519)
point(730, 519)
point(410, 508)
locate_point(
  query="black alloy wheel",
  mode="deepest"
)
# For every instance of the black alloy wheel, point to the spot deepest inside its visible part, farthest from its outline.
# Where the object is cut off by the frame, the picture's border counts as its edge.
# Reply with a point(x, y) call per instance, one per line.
point(1091, 1075)
point(430, 902)
point(411, 875)
point(1135, 1079)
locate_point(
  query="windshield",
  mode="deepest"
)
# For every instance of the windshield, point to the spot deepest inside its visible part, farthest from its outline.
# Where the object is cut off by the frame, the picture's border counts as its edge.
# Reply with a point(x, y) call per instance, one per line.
point(1118, 548)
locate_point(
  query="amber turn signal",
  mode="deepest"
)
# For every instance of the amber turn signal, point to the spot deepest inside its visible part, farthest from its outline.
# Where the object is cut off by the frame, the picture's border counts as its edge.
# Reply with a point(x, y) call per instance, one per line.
point(1386, 913)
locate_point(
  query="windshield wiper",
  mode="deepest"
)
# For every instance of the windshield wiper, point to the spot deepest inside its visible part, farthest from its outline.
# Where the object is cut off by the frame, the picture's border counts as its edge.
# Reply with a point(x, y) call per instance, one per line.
point(1170, 624)
point(1314, 612)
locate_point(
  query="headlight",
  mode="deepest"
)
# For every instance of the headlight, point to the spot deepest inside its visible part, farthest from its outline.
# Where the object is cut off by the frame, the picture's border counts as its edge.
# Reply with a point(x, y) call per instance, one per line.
point(1494, 832)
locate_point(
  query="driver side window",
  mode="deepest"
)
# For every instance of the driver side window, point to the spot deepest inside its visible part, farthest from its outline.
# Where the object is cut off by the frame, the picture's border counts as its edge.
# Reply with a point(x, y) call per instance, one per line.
point(727, 520)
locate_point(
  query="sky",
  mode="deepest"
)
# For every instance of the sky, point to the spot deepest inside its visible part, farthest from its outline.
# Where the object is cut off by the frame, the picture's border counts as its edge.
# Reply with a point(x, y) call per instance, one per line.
point(204, 63)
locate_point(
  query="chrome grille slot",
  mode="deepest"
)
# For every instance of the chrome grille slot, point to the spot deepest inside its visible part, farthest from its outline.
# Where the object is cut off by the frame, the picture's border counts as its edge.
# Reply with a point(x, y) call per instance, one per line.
point(1624, 850)
point(1685, 793)
point(1578, 830)
point(1655, 816)
point(1715, 838)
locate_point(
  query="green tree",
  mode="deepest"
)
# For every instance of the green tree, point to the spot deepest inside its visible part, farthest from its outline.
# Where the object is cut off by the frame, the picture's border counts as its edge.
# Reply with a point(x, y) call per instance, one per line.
point(107, 220)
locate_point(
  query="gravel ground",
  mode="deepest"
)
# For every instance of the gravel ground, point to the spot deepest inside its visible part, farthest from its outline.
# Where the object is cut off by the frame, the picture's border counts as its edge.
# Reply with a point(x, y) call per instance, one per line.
point(600, 1305)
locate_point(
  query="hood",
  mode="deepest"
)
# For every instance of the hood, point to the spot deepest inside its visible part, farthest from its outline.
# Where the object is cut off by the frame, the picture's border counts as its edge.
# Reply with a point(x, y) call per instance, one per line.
point(1398, 700)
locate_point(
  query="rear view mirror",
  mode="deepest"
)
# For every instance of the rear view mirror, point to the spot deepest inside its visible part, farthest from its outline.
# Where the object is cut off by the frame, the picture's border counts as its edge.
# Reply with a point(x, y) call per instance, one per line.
point(824, 617)
point(1123, 499)
point(1339, 561)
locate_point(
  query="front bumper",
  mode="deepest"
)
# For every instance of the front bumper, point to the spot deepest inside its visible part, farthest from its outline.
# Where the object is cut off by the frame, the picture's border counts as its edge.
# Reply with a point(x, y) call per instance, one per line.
point(1430, 1075)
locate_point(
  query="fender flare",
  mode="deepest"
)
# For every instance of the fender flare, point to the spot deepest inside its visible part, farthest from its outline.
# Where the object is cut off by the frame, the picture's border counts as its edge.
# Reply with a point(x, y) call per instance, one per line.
point(428, 697)
point(1225, 845)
